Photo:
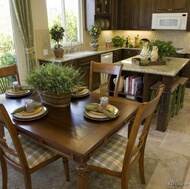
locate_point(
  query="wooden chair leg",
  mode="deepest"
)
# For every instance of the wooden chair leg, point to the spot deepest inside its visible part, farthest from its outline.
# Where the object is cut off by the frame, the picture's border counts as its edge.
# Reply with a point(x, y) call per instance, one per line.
point(66, 168)
point(141, 169)
point(3, 171)
point(27, 181)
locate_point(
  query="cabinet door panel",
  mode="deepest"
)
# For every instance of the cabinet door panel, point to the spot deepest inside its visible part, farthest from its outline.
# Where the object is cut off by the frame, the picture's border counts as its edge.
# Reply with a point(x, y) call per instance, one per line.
point(84, 65)
point(171, 6)
point(181, 5)
point(142, 14)
point(161, 5)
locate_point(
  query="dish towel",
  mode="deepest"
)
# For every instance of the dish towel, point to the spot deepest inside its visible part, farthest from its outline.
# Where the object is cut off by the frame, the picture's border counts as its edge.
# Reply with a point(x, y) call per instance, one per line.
point(23, 108)
point(98, 108)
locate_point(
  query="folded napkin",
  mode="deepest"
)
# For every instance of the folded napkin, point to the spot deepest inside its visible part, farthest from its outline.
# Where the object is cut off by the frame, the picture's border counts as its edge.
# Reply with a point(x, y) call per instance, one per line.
point(79, 90)
point(98, 108)
point(23, 108)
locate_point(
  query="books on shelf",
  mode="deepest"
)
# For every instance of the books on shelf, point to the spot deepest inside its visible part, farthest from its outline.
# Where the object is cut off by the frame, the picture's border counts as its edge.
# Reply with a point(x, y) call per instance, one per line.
point(133, 84)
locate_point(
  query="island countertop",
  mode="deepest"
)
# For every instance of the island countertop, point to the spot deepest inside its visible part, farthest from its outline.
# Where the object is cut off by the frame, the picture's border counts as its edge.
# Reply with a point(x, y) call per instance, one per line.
point(171, 68)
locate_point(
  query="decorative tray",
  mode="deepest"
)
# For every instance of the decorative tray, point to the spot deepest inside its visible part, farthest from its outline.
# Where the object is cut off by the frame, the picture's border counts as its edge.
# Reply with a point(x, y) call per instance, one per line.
point(138, 62)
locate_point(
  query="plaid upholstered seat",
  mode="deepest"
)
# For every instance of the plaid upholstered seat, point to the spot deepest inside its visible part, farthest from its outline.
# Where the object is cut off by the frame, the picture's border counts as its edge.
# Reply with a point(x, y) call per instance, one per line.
point(21, 153)
point(120, 155)
point(111, 155)
point(35, 154)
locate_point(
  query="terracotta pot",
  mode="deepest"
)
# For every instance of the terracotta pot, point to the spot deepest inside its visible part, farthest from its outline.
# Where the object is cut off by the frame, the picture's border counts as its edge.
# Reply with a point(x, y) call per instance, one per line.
point(58, 53)
point(94, 48)
point(55, 100)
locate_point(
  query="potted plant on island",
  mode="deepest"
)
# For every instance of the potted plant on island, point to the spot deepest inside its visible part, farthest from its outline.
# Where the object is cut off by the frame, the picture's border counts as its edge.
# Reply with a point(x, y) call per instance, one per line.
point(55, 83)
point(57, 34)
point(165, 48)
point(95, 32)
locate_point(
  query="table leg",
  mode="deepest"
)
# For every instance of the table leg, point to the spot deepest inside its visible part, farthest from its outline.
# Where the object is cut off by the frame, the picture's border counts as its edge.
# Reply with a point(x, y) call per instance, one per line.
point(82, 177)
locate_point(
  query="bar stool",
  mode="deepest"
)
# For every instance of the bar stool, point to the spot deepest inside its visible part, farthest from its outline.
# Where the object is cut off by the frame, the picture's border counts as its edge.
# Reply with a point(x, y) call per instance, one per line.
point(182, 81)
point(172, 105)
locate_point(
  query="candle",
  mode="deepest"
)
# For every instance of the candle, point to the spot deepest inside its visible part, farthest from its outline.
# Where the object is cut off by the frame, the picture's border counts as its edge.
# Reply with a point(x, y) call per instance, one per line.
point(29, 103)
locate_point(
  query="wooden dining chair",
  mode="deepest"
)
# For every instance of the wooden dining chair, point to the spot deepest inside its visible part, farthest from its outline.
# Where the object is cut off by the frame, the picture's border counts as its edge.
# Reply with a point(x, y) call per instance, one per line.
point(22, 154)
point(120, 155)
point(8, 74)
point(105, 68)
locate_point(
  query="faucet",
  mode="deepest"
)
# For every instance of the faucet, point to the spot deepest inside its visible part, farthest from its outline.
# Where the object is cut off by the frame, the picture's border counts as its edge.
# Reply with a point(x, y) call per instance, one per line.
point(72, 48)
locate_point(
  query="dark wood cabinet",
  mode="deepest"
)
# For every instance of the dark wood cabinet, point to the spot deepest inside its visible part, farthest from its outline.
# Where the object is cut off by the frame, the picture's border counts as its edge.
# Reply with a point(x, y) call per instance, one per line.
point(117, 55)
point(84, 65)
point(171, 6)
point(136, 15)
point(142, 14)
point(103, 13)
point(127, 53)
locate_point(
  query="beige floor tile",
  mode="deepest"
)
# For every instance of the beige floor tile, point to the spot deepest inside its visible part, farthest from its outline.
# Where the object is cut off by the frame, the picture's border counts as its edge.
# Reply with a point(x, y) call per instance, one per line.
point(177, 142)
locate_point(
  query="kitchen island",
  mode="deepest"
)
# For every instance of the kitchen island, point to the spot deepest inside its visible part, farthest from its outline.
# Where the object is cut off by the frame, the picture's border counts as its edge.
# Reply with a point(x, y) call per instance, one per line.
point(153, 73)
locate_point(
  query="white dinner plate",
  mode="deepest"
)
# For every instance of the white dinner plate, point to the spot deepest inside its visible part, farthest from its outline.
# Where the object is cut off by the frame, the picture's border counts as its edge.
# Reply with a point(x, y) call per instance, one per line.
point(80, 94)
point(99, 116)
point(25, 116)
point(11, 93)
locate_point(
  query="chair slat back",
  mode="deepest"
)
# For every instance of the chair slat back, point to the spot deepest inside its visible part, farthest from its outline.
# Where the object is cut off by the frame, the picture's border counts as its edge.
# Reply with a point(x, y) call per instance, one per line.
point(137, 138)
point(8, 74)
point(11, 146)
point(107, 68)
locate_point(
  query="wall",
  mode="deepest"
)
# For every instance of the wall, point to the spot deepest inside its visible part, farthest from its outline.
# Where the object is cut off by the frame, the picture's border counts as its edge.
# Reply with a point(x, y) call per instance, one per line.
point(180, 39)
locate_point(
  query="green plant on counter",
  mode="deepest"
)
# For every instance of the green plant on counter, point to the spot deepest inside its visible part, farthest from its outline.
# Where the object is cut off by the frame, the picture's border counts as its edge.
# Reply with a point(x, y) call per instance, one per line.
point(165, 48)
point(118, 41)
point(54, 78)
point(57, 34)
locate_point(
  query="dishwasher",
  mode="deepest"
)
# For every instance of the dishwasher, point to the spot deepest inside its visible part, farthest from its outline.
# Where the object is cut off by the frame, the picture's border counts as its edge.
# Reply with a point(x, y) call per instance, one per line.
point(105, 58)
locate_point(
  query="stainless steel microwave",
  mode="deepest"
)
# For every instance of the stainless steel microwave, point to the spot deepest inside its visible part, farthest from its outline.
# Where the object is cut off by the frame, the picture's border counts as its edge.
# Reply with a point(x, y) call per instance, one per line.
point(169, 21)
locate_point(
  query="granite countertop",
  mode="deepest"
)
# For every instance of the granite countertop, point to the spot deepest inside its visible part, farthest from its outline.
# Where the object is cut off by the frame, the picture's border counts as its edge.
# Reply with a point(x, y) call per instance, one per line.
point(171, 68)
point(77, 55)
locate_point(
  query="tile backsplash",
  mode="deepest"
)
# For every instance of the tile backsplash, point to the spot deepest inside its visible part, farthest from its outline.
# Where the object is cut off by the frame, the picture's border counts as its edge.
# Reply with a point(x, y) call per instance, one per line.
point(180, 39)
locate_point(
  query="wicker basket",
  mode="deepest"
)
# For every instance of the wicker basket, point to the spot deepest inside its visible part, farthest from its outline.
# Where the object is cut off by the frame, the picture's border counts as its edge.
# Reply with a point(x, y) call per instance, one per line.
point(55, 100)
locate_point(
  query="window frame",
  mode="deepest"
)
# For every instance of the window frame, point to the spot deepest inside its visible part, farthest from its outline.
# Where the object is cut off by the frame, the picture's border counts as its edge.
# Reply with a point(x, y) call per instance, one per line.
point(66, 43)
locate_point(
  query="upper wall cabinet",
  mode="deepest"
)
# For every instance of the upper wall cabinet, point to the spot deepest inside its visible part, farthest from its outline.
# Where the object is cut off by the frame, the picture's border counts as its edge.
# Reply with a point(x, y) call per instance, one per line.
point(136, 15)
point(101, 12)
point(170, 6)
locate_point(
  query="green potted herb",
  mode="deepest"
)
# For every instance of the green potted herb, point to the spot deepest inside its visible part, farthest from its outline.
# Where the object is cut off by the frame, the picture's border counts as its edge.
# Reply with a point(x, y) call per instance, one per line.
point(165, 48)
point(55, 83)
point(118, 41)
point(57, 34)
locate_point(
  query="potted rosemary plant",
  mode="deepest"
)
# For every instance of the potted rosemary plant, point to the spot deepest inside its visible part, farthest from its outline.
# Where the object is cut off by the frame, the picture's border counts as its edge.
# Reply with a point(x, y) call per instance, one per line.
point(57, 34)
point(95, 32)
point(55, 83)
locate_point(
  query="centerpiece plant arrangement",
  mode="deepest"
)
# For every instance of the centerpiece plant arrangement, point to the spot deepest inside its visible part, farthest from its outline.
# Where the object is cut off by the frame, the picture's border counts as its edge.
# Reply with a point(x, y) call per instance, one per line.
point(57, 34)
point(95, 32)
point(55, 83)
point(165, 48)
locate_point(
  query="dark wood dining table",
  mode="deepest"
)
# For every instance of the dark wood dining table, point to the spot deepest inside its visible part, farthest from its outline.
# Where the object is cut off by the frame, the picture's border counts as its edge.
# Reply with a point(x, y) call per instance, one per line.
point(66, 130)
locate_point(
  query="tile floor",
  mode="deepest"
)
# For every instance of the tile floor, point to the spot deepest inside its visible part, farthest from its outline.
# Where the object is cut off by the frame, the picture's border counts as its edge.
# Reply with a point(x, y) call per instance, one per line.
point(170, 151)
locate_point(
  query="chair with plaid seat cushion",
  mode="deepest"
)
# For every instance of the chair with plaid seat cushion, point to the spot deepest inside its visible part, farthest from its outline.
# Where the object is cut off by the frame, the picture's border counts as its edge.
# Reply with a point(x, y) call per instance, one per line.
point(120, 155)
point(21, 153)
